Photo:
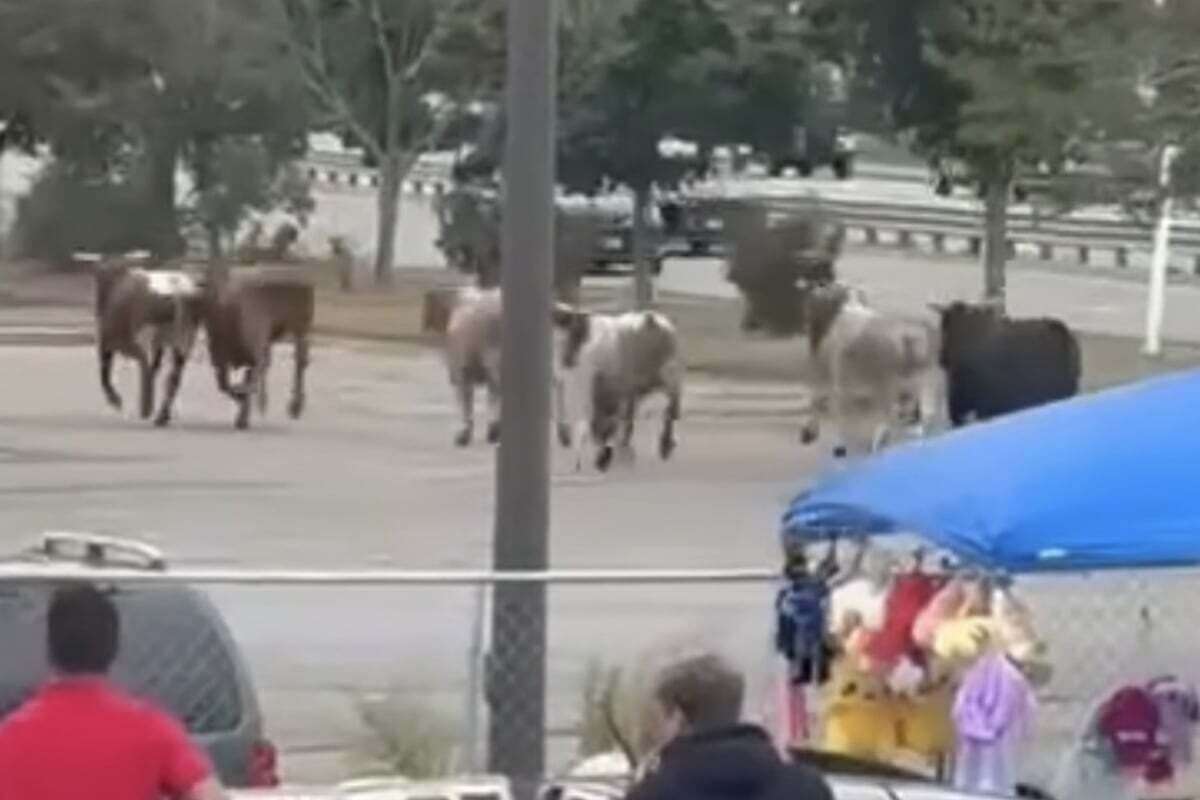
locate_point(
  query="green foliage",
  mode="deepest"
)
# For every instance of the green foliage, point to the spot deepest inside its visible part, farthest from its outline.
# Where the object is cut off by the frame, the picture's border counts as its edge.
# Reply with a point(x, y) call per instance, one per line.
point(109, 82)
point(995, 84)
point(243, 177)
point(654, 80)
point(67, 211)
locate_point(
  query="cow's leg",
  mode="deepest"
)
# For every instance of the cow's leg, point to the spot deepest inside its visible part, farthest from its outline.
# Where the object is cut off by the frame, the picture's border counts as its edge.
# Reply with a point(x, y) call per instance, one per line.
point(465, 390)
point(259, 386)
point(244, 394)
point(840, 402)
point(300, 357)
point(221, 371)
point(562, 422)
point(105, 354)
point(253, 384)
point(956, 403)
point(179, 359)
point(810, 428)
point(666, 439)
point(156, 357)
point(603, 428)
point(146, 380)
point(493, 399)
point(628, 418)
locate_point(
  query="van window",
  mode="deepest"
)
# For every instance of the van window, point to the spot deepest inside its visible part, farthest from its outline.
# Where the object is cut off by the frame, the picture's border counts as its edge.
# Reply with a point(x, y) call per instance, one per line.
point(172, 653)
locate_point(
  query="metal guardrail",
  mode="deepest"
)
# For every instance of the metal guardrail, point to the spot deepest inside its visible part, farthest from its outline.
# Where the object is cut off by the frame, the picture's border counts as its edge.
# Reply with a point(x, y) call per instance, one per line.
point(1085, 234)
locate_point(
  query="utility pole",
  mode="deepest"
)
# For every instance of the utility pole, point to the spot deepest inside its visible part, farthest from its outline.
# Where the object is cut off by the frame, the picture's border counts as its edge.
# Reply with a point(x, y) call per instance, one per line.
point(516, 684)
point(1156, 293)
point(1156, 297)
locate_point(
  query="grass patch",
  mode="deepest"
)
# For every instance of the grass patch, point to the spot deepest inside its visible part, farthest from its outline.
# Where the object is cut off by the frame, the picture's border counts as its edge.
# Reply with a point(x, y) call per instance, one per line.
point(712, 343)
point(402, 736)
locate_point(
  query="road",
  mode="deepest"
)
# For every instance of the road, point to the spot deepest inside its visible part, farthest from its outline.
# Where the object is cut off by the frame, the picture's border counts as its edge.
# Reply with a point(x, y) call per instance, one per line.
point(369, 478)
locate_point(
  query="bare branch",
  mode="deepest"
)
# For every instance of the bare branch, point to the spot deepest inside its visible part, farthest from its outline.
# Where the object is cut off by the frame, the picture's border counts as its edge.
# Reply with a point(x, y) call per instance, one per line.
point(375, 13)
point(319, 80)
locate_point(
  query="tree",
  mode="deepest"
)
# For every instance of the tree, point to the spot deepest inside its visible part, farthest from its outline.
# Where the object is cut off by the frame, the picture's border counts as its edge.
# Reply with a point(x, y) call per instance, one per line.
point(995, 85)
point(380, 73)
point(652, 79)
point(769, 85)
point(122, 90)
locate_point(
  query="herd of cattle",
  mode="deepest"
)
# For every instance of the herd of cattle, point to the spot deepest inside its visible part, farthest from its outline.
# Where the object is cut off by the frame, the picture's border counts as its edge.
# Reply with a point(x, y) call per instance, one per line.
point(874, 376)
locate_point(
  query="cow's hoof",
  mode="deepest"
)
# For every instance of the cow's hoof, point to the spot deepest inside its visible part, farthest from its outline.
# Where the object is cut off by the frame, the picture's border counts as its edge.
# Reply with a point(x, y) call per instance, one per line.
point(162, 420)
point(493, 433)
point(114, 401)
point(147, 412)
point(295, 409)
point(604, 459)
point(463, 438)
point(564, 435)
point(666, 446)
point(242, 423)
point(839, 451)
point(807, 436)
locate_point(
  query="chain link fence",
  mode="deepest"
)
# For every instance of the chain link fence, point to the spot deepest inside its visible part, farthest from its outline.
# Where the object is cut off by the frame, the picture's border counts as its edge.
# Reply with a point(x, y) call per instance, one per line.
point(421, 672)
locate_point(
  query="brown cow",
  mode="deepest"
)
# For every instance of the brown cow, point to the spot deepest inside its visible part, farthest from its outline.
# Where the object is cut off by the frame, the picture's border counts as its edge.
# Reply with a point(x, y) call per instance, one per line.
point(246, 311)
point(139, 314)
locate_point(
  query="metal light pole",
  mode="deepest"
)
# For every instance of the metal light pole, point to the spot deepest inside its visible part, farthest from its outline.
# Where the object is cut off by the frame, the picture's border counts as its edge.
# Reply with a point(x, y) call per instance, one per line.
point(1156, 298)
point(517, 674)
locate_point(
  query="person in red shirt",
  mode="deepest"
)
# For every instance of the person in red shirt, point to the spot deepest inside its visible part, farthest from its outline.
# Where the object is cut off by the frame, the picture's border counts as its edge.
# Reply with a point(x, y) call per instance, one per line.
point(81, 737)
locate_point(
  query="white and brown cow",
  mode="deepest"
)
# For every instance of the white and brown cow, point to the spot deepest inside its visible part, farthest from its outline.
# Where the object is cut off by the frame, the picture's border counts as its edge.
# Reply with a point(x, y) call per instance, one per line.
point(872, 373)
point(140, 313)
point(469, 321)
point(608, 363)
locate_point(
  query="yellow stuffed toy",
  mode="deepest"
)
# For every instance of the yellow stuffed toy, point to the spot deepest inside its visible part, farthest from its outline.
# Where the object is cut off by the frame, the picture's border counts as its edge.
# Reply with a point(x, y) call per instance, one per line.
point(859, 715)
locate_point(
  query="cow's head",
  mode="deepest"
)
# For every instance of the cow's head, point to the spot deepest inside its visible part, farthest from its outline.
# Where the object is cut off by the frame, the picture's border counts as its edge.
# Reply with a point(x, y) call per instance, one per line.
point(572, 326)
point(963, 326)
point(438, 306)
point(822, 304)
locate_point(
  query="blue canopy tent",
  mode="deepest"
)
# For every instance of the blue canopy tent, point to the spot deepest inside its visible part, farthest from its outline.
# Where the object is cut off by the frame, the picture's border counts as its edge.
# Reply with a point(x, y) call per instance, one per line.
point(1103, 481)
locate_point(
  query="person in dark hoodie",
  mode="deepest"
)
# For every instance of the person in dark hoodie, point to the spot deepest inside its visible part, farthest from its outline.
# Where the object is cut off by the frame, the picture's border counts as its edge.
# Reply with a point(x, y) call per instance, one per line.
point(705, 753)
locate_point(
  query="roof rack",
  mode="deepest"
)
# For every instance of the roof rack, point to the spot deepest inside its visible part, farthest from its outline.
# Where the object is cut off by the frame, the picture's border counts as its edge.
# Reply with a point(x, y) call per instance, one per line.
point(99, 550)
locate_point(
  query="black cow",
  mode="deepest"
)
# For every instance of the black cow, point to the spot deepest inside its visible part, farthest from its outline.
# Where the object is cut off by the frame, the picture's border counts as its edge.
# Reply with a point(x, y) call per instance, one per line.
point(995, 365)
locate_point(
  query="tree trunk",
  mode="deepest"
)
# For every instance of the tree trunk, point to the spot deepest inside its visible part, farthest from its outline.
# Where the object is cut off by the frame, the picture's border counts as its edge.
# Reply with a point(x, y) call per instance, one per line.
point(643, 280)
point(203, 174)
point(995, 237)
point(165, 240)
point(388, 206)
